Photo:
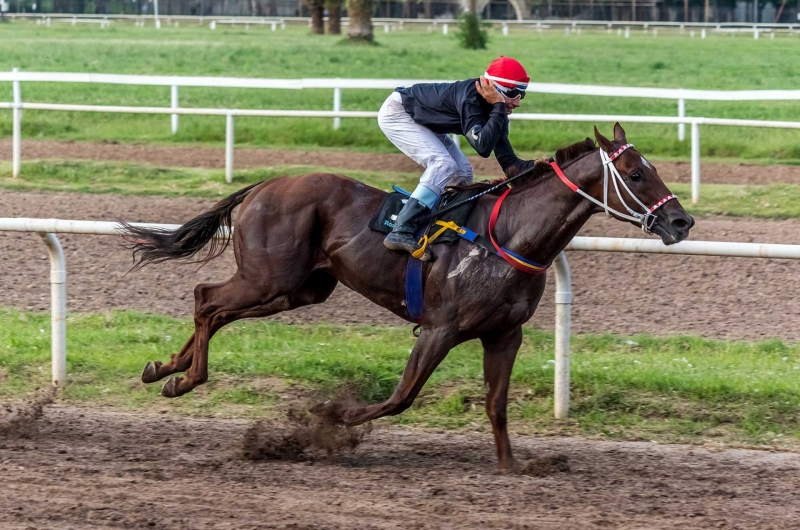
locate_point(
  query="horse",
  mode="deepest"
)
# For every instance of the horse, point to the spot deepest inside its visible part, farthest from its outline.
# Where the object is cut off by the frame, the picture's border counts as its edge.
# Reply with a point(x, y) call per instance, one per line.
point(296, 238)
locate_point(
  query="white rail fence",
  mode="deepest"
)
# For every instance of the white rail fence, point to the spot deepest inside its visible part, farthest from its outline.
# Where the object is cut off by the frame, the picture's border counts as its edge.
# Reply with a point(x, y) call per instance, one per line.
point(174, 110)
point(155, 19)
point(48, 228)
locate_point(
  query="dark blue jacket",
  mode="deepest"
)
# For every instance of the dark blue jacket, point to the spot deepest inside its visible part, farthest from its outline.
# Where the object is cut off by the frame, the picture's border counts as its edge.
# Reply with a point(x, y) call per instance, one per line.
point(458, 108)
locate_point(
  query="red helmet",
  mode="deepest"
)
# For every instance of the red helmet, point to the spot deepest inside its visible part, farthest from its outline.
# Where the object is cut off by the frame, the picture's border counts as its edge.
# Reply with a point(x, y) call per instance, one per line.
point(507, 72)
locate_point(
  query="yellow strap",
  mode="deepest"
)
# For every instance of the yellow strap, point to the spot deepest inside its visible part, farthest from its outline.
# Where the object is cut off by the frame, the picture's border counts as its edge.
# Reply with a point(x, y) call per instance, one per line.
point(423, 243)
point(425, 240)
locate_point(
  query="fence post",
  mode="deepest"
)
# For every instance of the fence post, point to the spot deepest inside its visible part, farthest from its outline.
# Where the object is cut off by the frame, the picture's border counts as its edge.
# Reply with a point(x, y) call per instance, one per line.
point(337, 106)
point(16, 128)
point(695, 162)
point(58, 309)
point(174, 105)
point(229, 148)
point(562, 350)
point(681, 114)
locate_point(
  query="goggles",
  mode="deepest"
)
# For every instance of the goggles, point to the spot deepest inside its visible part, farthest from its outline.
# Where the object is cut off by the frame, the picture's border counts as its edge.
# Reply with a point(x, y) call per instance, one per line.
point(515, 92)
point(510, 92)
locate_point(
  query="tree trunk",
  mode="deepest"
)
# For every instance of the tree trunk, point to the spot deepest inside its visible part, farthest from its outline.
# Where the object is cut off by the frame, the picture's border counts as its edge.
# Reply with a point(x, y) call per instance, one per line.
point(707, 11)
point(686, 10)
point(334, 8)
point(633, 10)
point(317, 20)
point(360, 12)
point(780, 11)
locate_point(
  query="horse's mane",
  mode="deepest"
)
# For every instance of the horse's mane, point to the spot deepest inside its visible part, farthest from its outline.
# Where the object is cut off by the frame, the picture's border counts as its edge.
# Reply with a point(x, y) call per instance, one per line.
point(564, 156)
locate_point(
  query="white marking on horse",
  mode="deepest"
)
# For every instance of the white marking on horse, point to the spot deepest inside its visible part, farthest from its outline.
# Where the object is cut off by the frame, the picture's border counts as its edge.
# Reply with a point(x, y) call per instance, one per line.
point(464, 262)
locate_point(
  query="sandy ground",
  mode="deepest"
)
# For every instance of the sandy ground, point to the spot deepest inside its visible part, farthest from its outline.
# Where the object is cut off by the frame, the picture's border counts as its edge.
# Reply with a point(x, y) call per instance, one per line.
point(187, 156)
point(102, 470)
point(620, 293)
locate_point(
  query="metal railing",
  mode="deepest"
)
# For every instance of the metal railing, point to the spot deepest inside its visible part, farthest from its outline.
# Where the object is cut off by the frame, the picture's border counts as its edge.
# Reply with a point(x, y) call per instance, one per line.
point(48, 228)
point(174, 110)
point(532, 23)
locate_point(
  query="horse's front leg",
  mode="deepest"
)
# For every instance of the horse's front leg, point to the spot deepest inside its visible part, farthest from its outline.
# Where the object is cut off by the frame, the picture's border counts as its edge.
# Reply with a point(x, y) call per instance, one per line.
point(431, 348)
point(499, 353)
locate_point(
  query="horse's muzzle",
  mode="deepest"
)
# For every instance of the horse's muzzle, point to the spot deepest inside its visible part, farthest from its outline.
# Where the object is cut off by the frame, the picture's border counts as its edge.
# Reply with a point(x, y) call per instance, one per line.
point(673, 225)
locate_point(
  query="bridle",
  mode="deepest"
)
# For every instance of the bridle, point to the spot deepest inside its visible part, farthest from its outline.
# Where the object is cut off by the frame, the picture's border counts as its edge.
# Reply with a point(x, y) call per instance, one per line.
point(647, 219)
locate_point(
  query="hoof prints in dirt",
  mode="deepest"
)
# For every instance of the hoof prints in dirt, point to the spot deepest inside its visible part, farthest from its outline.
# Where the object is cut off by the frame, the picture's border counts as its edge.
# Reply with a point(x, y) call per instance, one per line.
point(305, 436)
point(21, 419)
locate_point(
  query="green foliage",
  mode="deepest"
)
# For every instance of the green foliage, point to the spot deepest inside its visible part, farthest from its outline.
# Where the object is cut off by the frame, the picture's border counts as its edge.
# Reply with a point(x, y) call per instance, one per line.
point(673, 389)
point(471, 33)
point(90, 8)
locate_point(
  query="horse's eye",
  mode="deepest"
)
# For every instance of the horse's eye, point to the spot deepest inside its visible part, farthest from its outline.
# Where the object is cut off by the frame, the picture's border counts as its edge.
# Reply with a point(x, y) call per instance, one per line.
point(635, 176)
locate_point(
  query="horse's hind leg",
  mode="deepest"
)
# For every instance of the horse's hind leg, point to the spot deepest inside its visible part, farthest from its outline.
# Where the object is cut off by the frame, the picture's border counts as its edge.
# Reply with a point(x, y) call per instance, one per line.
point(220, 304)
point(179, 362)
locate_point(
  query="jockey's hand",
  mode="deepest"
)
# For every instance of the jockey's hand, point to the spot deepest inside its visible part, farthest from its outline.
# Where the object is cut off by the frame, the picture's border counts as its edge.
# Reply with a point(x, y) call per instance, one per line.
point(487, 90)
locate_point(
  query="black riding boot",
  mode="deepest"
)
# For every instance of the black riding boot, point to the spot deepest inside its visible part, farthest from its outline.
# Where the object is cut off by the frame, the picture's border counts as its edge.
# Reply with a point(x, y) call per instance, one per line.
point(410, 219)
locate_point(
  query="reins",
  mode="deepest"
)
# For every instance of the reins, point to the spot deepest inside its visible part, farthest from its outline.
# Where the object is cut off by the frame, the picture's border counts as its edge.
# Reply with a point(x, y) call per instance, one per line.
point(646, 219)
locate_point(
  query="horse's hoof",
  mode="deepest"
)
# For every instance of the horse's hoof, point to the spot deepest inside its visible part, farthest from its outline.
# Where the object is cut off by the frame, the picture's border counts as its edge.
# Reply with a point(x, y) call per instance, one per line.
point(150, 373)
point(170, 389)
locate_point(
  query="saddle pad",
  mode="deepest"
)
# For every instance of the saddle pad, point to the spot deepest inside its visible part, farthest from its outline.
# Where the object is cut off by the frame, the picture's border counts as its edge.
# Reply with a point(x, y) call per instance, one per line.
point(392, 204)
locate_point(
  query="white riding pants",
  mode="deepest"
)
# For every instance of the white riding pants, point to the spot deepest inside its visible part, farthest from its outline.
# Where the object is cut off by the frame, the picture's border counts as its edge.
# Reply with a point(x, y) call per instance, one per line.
point(444, 163)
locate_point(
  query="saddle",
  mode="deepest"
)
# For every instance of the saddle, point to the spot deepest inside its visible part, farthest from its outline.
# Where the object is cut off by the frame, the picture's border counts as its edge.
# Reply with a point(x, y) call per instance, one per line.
point(392, 204)
point(447, 231)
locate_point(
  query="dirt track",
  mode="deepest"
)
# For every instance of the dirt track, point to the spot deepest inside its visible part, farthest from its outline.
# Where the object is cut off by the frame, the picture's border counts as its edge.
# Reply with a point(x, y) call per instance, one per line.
point(96, 469)
point(620, 293)
point(181, 156)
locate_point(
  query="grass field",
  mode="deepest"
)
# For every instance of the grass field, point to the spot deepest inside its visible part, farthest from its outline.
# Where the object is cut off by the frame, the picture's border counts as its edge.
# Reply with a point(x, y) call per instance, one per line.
point(777, 201)
point(669, 60)
point(679, 389)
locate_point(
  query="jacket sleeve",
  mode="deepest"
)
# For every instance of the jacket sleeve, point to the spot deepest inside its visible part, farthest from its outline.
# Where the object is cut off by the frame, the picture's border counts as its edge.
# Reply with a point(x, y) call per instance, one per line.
point(509, 161)
point(483, 136)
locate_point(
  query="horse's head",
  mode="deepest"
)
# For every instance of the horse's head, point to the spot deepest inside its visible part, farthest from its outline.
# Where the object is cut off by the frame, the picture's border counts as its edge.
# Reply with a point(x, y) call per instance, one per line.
point(646, 193)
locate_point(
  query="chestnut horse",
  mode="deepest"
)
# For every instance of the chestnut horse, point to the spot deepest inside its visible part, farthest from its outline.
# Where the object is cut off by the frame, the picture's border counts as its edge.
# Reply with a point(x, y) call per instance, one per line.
point(295, 238)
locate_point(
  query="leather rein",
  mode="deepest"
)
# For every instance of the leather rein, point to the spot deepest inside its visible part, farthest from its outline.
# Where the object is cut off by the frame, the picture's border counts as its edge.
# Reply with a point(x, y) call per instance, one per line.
point(646, 218)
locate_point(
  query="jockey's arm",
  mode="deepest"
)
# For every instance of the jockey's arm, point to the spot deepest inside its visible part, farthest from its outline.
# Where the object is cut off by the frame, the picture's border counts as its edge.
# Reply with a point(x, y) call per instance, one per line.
point(483, 136)
point(509, 161)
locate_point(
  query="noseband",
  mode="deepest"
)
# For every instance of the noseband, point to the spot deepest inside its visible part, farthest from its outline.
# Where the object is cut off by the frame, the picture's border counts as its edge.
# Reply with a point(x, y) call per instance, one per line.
point(647, 219)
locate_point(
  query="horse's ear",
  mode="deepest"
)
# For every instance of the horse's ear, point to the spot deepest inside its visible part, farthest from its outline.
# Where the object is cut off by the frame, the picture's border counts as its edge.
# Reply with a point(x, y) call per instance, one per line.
point(619, 133)
point(604, 143)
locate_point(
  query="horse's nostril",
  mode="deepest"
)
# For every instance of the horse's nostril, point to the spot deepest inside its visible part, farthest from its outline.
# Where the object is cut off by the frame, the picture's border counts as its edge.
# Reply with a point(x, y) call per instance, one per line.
point(682, 224)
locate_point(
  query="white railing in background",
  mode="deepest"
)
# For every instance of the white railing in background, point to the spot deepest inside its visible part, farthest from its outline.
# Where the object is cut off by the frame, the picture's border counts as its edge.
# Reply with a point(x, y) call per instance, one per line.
point(401, 22)
point(15, 77)
point(48, 228)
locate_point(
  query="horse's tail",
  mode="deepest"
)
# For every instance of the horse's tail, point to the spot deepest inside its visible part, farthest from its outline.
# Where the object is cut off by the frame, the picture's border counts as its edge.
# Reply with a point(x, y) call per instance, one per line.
point(159, 245)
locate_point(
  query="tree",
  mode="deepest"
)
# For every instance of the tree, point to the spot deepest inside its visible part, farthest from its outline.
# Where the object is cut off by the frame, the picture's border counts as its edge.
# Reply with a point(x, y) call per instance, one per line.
point(360, 29)
point(317, 19)
point(470, 33)
point(334, 8)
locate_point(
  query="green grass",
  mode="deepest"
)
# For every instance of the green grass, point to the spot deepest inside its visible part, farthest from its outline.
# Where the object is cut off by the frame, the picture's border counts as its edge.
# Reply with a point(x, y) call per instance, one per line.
point(669, 389)
point(776, 201)
point(669, 60)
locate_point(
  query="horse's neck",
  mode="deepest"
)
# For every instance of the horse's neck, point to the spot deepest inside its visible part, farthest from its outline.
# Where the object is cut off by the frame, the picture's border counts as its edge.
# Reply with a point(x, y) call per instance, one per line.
point(543, 218)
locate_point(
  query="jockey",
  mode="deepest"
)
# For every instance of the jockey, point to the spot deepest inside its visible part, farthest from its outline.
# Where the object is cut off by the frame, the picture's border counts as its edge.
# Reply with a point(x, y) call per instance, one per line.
point(418, 119)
